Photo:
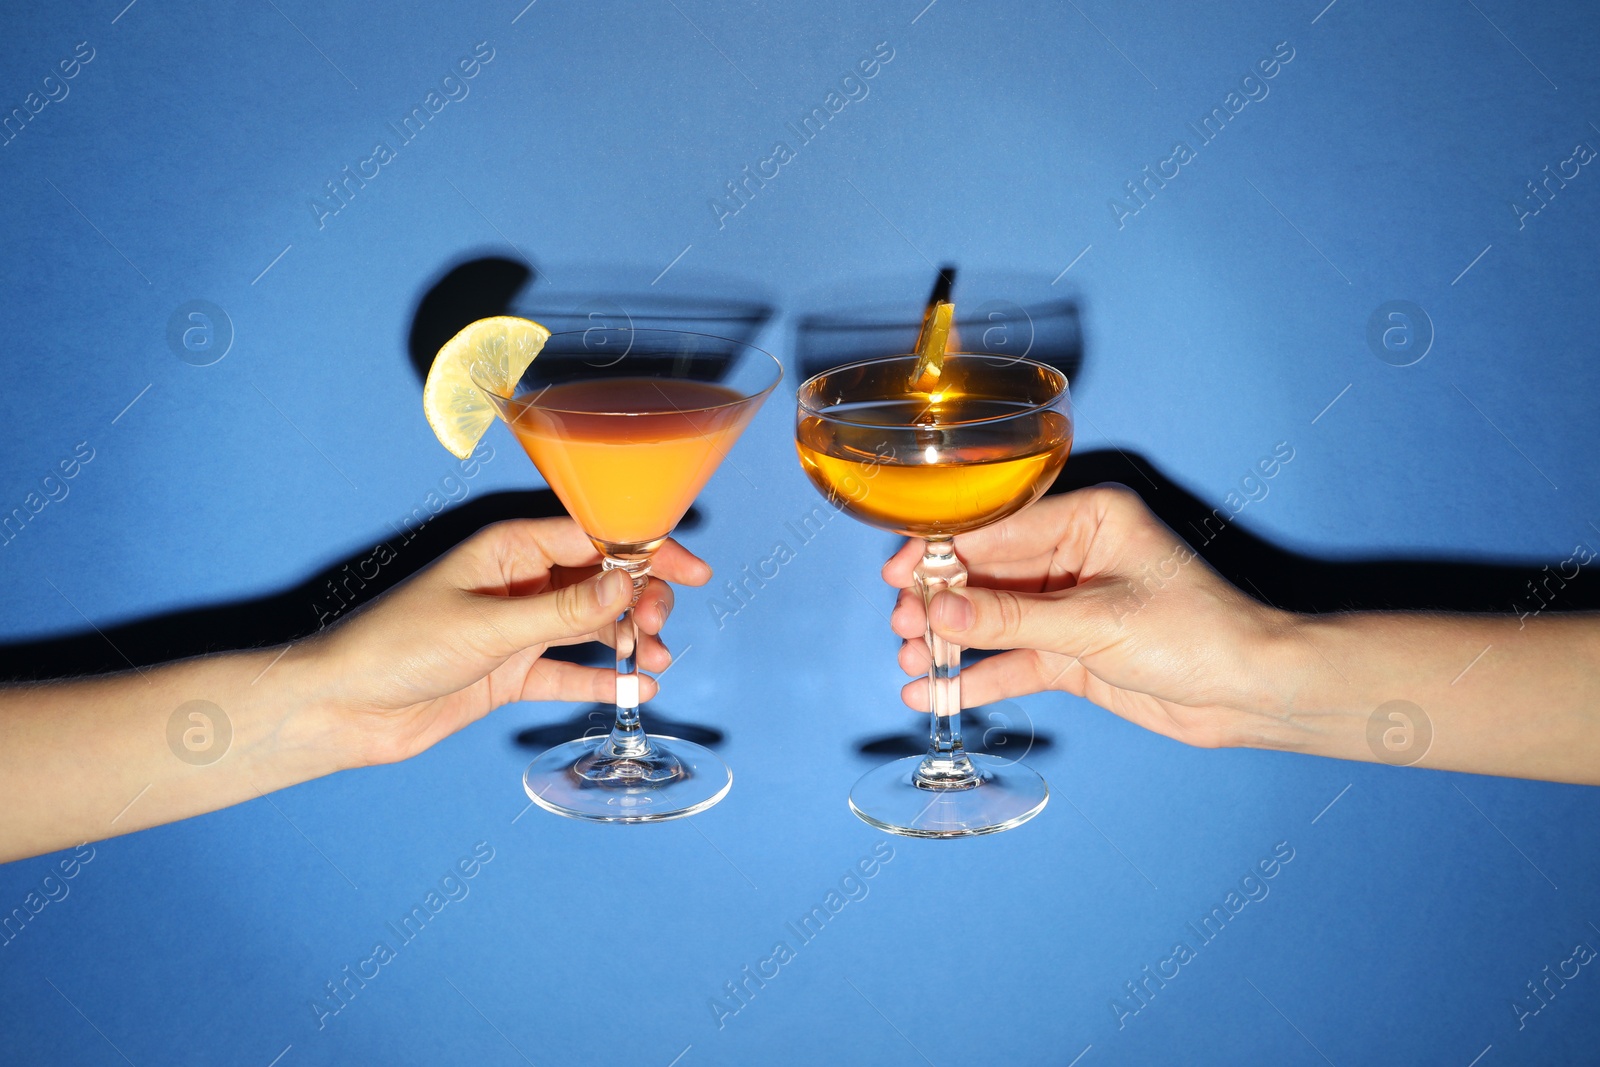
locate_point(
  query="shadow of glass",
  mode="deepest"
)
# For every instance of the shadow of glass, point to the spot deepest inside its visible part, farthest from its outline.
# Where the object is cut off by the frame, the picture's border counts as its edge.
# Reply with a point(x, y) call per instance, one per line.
point(580, 297)
point(982, 730)
point(628, 353)
point(1004, 314)
point(566, 312)
point(468, 290)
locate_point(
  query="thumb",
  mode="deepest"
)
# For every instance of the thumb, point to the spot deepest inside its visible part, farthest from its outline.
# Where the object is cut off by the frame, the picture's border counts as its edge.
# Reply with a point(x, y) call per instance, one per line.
point(1002, 618)
point(524, 621)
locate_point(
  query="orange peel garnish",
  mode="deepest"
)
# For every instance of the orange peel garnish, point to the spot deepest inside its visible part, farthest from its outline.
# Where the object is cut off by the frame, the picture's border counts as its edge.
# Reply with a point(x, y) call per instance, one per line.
point(931, 345)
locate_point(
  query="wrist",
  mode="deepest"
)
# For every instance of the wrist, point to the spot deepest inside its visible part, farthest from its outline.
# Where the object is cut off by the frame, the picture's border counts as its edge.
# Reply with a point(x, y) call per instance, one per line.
point(311, 728)
point(1307, 700)
point(1280, 672)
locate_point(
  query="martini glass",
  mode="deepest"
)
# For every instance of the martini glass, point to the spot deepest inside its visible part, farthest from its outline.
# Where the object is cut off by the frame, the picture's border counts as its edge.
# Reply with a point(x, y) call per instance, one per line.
point(627, 426)
point(984, 445)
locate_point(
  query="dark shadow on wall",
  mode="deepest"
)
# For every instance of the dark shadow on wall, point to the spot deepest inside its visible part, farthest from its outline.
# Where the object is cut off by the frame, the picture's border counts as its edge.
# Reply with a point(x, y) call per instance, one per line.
point(1299, 582)
point(473, 289)
point(326, 596)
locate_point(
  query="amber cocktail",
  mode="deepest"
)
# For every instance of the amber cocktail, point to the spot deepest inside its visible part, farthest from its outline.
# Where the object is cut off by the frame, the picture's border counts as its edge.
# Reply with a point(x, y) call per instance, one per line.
point(982, 445)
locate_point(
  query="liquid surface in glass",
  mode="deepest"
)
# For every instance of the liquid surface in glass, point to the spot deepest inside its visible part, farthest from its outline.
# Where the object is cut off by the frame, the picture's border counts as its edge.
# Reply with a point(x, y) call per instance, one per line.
point(925, 467)
point(627, 456)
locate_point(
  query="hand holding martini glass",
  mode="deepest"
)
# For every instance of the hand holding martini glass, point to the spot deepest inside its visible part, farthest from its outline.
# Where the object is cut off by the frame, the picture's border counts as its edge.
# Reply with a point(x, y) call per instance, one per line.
point(931, 445)
point(626, 426)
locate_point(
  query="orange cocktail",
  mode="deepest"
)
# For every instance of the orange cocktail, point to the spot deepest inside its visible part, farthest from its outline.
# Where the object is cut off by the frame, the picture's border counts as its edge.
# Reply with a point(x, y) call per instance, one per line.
point(627, 456)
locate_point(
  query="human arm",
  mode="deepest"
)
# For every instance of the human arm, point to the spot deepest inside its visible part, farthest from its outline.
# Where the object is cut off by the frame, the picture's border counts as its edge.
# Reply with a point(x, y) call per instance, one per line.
point(90, 758)
point(1093, 595)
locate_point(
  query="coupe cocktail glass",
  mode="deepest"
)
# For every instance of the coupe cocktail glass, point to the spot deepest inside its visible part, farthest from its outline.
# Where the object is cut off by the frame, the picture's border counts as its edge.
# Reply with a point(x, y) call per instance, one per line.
point(627, 426)
point(984, 445)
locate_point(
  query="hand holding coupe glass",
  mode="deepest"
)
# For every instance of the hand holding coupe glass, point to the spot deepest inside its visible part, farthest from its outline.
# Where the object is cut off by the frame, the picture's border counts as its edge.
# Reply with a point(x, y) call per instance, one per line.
point(933, 445)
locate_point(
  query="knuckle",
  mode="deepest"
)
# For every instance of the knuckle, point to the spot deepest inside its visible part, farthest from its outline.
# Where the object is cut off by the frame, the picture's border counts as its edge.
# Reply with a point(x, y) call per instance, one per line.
point(1008, 614)
point(569, 610)
point(496, 535)
point(1004, 534)
point(1115, 496)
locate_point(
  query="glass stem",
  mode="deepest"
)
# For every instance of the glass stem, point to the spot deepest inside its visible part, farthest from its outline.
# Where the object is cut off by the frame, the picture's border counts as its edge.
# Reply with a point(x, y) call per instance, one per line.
point(627, 734)
point(946, 765)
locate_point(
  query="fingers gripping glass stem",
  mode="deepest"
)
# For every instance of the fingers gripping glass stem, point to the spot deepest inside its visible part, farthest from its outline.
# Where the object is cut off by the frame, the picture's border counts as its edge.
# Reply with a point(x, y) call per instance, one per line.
point(628, 738)
point(946, 766)
point(627, 756)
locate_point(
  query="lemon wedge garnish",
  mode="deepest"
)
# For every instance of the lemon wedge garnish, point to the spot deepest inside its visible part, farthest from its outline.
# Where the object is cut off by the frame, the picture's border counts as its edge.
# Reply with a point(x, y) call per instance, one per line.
point(499, 349)
point(931, 345)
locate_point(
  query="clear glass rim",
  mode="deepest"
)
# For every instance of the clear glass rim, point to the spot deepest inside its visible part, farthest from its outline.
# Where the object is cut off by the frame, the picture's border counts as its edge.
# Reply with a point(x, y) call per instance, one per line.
point(1063, 388)
point(745, 396)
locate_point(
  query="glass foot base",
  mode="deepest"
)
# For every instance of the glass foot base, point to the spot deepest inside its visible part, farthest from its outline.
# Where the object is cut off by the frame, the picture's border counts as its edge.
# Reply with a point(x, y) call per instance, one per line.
point(676, 778)
point(1007, 794)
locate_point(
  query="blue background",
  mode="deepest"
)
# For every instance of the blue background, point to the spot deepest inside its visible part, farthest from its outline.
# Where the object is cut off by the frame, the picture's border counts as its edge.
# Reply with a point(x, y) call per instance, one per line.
point(1222, 318)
